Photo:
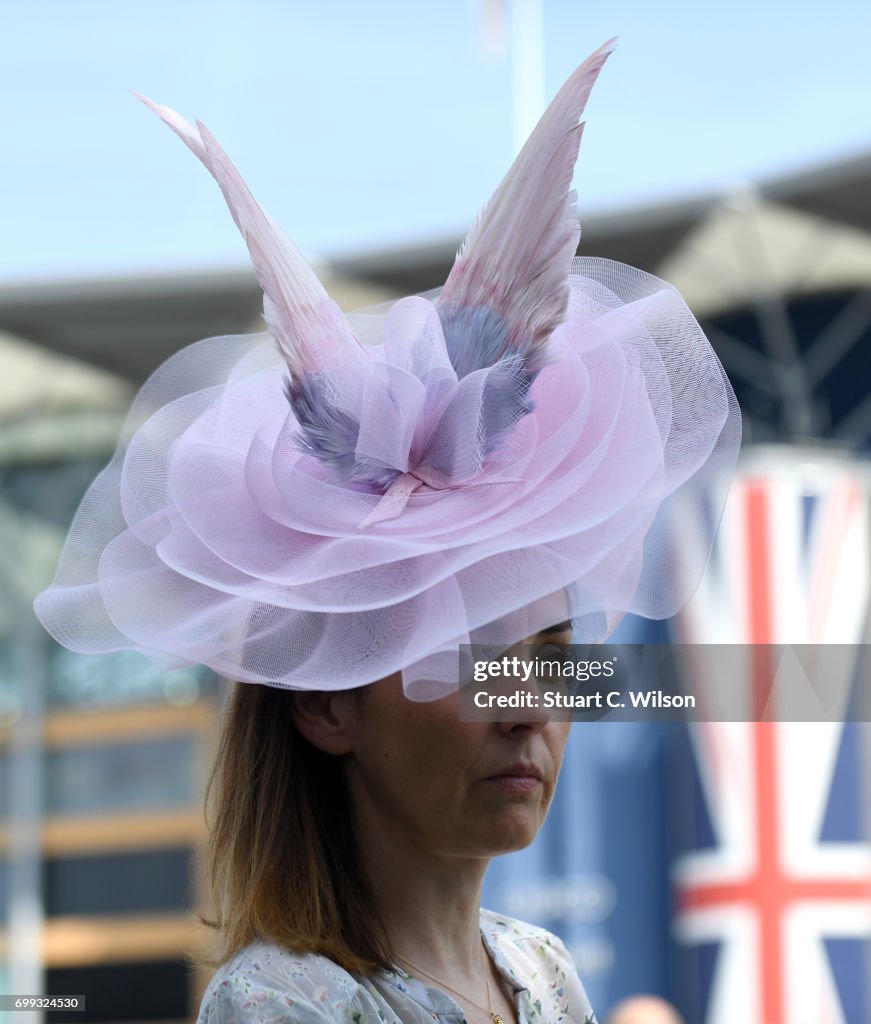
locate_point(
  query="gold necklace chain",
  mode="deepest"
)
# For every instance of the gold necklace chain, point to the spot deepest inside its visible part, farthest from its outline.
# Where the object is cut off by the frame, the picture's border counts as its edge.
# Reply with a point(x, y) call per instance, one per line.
point(496, 1018)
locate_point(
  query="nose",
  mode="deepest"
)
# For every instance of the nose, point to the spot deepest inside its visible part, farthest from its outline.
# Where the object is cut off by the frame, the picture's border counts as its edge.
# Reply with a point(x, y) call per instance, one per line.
point(527, 719)
point(522, 730)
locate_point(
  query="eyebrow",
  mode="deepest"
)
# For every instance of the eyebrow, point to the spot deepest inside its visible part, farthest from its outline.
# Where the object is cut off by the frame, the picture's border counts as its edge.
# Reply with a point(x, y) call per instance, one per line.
point(560, 627)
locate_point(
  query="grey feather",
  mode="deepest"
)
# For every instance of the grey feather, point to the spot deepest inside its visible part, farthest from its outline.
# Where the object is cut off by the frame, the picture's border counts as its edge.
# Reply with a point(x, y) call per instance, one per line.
point(330, 434)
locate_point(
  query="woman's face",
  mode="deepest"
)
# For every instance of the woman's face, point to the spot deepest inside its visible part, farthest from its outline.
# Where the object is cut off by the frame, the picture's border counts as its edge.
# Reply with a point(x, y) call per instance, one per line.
point(453, 788)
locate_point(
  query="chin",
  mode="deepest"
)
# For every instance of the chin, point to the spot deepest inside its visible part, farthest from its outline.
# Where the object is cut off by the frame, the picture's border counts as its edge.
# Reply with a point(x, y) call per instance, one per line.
point(511, 835)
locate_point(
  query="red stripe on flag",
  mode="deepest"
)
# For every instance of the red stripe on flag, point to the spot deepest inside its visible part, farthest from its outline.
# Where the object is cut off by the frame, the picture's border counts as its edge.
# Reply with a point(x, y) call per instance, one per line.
point(765, 750)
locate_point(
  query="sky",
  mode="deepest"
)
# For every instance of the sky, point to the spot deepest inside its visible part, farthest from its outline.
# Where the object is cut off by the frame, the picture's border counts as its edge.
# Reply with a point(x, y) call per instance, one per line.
point(361, 127)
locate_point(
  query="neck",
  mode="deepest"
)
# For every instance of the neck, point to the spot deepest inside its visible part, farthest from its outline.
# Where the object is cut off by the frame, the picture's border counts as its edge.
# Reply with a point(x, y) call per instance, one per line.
point(429, 904)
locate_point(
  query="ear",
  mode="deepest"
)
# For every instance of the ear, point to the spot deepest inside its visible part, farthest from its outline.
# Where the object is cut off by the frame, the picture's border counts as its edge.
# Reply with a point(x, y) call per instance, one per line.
point(321, 716)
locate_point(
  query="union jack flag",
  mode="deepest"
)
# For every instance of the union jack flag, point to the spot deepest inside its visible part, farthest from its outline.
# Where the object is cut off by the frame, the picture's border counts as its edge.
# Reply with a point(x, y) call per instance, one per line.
point(772, 893)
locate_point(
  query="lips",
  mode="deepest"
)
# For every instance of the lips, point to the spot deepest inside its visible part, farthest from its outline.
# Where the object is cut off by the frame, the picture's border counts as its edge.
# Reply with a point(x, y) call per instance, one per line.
point(517, 778)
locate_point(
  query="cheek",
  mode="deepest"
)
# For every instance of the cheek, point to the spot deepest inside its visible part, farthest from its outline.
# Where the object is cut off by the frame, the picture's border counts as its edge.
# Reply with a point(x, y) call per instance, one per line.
point(558, 737)
point(407, 764)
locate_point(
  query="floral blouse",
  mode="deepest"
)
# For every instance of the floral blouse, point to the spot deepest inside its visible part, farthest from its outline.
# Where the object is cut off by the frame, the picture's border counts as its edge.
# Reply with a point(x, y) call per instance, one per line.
point(267, 984)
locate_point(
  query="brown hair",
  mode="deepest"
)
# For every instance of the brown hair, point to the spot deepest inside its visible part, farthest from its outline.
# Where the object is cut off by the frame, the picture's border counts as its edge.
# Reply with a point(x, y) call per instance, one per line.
point(281, 862)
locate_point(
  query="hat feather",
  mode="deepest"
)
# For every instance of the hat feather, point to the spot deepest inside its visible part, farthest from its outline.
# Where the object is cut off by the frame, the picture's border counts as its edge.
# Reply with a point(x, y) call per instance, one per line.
point(516, 257)
point(308, 327)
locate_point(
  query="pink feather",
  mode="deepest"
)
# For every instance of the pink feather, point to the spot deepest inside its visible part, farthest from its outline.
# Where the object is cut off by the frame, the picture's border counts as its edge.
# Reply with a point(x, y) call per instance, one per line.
point(307, 325)
point(516, 256)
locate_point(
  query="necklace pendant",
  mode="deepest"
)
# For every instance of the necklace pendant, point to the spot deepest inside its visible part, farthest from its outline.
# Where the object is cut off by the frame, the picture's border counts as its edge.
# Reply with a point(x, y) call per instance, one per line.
point(497, 1018)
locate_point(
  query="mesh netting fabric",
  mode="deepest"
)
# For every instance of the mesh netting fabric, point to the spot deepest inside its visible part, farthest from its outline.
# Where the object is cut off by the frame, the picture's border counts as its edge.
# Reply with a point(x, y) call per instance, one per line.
point(213, 537)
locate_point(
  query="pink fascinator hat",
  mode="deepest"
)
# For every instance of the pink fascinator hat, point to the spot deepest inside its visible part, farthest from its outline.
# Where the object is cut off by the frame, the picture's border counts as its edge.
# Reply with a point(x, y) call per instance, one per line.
point(351, 496)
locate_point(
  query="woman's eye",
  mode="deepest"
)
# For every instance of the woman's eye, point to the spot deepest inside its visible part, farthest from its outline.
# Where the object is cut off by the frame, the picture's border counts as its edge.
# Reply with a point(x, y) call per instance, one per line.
point(551, 650)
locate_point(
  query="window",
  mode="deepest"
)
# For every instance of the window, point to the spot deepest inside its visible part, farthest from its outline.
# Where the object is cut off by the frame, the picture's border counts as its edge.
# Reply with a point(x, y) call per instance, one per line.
point(134, 776)
point(136, 882)
point(122, 992)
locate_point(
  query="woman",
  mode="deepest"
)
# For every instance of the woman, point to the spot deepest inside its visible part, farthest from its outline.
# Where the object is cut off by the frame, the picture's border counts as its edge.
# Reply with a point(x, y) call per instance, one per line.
point(353, 828)
point(332, 512)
